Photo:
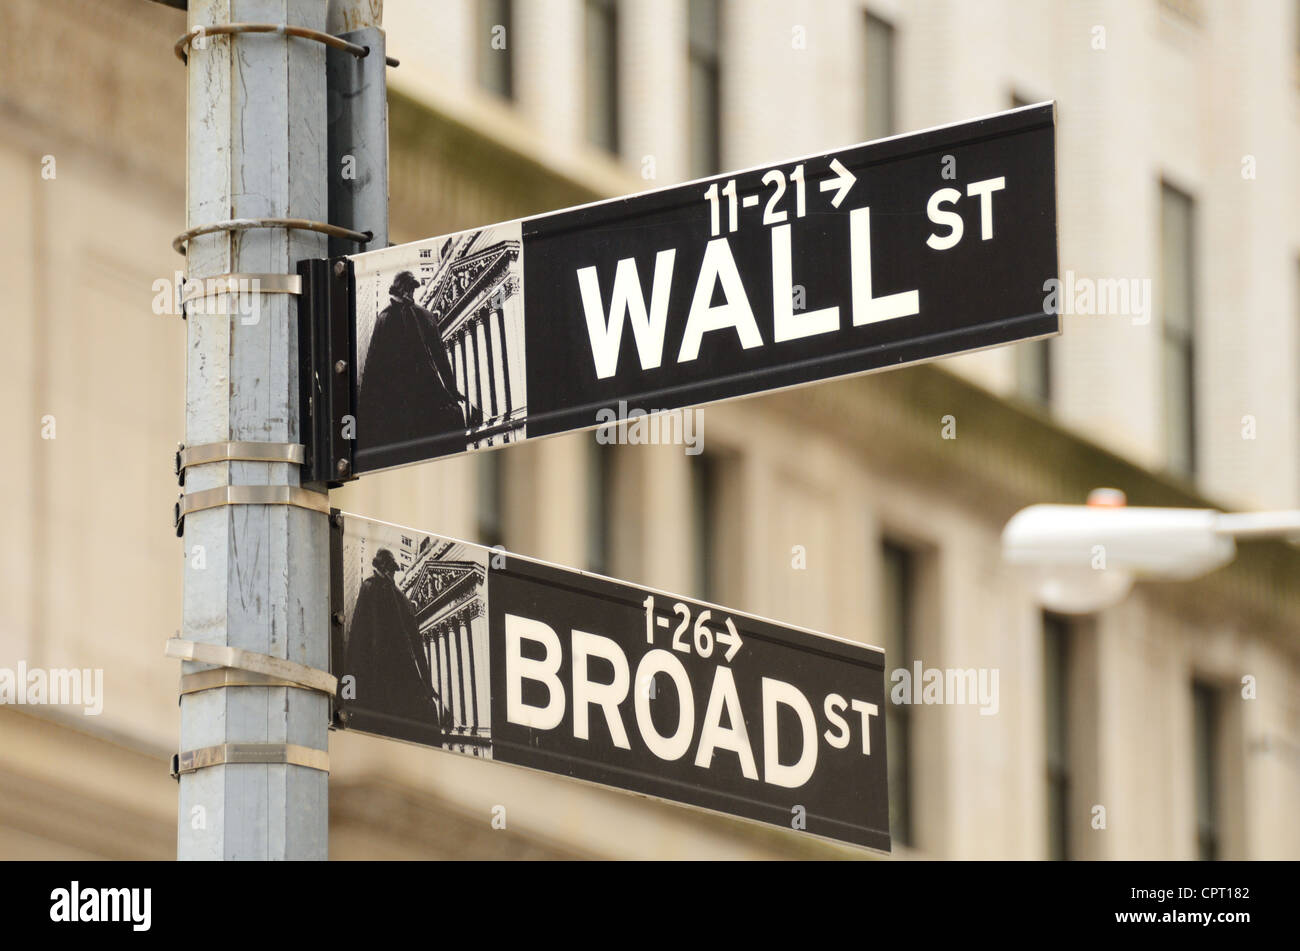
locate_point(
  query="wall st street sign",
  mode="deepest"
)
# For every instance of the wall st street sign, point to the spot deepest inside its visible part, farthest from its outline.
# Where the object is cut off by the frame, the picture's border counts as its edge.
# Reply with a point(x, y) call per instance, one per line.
point(490, 654)
point(866, 258)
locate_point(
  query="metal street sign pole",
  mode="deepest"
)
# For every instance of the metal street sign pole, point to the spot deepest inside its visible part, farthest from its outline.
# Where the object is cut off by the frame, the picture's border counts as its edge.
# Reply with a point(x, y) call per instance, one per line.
point(866, 258)
point(252, 765)
point(490, 654)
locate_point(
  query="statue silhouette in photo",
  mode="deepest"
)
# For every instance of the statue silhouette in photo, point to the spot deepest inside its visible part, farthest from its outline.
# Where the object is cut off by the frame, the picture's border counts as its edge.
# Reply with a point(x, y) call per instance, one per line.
point(386, 656)
point(408, 389)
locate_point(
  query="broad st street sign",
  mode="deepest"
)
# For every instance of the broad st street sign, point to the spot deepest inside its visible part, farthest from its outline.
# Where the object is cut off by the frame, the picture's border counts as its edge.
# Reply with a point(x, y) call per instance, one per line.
point(871, 257)
point(490, 654)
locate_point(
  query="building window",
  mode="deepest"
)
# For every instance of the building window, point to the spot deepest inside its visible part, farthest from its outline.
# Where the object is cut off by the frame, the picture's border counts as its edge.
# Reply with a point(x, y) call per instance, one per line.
point(704, 31)
point(1056, 705)
point(1205, 737)
point(899, 621)
point(879, 86)
point(601, 31)
point(495, 44)
point(1033, 358)
point(1034, 371)
point(491, 499)
point(704, 498)
point(600, 515)
point(1178, 355)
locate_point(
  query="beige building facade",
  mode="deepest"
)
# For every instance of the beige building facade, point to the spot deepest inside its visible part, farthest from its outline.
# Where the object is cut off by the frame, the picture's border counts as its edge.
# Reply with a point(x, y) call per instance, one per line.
point(1167, 726)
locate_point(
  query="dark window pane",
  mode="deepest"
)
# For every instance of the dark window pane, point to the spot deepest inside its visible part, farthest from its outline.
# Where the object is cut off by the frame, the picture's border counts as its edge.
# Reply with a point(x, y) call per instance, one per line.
point(491, 523)
point(879, 80)
point(898, 593)
point(705, 87)
point(703, 27)
point(1205, 736)
point(1034, 371)
point(704, 510)
point(1178, 325)
point(600, 492)
point(1179, 405)
point(601, 30)
point(1056, 652)
point(1033, 359)
point(494, 39)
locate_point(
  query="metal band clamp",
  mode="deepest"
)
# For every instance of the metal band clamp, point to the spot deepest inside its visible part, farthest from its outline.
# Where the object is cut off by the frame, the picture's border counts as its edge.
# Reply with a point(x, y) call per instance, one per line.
point(201, 288)
point(228, 677)
point(186, 456)
point(248, 224)
point(260, 754)
point(248, 495)
point(182, 46)
point(244, 668)
point(290, 672)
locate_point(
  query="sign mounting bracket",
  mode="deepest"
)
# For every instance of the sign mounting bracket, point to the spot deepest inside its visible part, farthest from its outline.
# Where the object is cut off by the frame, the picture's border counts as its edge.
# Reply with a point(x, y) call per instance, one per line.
point(327, 356)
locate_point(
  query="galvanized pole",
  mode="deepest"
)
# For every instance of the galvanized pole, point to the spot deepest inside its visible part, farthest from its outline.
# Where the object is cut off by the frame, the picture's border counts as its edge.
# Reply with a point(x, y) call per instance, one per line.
point(256, 575)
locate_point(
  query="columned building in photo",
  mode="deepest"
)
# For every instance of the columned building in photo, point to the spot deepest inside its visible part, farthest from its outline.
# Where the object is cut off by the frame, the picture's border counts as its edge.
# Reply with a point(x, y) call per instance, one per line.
point(447, 598)
point(475, 297)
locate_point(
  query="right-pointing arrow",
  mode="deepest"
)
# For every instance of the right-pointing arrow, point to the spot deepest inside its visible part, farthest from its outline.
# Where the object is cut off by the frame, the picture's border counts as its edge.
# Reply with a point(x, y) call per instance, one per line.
point(842, 181)
point(730, 637)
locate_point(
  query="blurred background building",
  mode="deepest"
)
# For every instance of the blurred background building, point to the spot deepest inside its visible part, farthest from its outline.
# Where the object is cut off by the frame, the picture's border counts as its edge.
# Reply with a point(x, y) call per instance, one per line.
point(1177, 711)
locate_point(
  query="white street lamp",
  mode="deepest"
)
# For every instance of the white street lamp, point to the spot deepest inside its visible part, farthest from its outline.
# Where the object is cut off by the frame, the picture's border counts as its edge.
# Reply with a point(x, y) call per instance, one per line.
point(1081, 558)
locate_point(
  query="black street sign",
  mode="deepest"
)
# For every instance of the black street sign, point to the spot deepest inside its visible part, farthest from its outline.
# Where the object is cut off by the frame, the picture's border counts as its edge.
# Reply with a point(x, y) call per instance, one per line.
point(871, 257)
point(490, 654)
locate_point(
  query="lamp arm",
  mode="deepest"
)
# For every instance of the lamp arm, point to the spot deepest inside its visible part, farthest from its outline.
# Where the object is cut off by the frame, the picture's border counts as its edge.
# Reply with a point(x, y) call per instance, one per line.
point(1259, 524)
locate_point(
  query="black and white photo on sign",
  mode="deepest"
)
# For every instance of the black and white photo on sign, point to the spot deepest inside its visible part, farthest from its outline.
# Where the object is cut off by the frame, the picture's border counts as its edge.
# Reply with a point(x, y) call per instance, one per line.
point(417, 637)
point(440, 340)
